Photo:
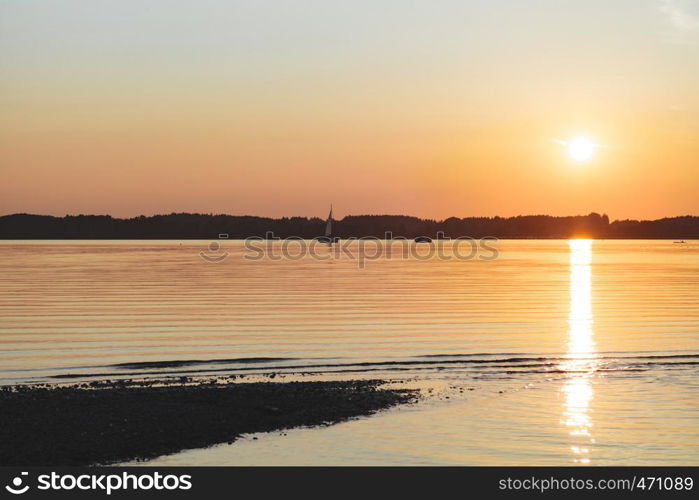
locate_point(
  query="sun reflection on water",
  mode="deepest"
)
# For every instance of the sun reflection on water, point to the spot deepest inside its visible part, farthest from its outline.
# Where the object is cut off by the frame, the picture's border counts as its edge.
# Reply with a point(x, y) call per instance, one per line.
point(580, 362)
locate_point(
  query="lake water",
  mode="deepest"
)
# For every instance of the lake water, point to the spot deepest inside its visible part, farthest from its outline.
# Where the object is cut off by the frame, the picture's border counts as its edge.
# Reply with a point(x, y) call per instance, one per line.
point(555, 352)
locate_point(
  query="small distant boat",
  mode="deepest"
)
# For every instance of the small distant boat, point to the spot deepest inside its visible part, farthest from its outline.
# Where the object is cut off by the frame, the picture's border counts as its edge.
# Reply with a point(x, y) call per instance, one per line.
point(423, 239)
point(679, 241)
point(328, 237)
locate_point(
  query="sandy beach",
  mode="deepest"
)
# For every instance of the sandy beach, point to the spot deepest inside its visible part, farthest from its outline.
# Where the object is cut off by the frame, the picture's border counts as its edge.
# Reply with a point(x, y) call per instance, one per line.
point(108, 422)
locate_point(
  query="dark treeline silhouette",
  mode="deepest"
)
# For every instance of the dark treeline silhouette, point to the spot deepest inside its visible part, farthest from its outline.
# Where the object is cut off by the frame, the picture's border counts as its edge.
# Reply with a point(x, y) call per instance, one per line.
point(207, 226)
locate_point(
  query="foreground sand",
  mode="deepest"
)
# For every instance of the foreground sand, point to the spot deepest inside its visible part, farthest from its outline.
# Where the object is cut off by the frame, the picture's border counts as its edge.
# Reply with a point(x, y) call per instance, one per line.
point(112, 422)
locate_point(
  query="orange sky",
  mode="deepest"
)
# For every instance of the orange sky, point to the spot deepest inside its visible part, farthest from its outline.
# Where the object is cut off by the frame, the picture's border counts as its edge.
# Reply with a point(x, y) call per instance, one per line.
point(378, 107)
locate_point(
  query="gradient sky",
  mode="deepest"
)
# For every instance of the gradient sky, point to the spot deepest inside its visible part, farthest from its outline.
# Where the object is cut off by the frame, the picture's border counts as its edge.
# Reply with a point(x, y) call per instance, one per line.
point(417, 107)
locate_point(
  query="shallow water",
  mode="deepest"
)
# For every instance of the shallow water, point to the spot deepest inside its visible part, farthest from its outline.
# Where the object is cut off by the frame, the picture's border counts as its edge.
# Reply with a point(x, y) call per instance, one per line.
point(556, 352)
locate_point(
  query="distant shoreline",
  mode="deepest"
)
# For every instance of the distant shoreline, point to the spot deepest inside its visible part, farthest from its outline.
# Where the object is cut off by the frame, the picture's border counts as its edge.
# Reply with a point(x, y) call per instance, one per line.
point(511, 238)
point(185, 226)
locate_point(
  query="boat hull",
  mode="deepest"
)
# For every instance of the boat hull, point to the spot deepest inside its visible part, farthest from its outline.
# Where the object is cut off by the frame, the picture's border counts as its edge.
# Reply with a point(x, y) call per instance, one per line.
point(328, 239)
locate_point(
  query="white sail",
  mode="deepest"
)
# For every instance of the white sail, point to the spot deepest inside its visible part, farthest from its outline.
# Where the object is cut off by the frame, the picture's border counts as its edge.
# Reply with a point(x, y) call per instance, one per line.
point(329, 224)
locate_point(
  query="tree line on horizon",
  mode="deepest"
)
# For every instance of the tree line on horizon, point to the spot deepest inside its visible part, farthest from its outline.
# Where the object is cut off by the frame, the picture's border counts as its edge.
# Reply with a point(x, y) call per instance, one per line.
point(210, 226)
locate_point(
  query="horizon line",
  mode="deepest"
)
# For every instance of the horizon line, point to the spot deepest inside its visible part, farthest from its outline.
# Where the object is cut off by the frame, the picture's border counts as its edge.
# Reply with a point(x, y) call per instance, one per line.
point(213, 214)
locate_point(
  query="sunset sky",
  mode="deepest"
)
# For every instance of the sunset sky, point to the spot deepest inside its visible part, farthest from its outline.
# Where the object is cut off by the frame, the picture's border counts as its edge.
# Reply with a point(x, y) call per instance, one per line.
point(435, 109)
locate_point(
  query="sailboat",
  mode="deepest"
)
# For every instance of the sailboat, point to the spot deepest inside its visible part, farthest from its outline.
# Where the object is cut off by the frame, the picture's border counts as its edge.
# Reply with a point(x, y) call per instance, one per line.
point(328, 237)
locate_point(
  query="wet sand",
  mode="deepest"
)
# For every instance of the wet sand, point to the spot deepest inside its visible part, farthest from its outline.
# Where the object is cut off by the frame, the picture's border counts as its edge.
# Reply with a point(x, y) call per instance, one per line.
point(105, 422)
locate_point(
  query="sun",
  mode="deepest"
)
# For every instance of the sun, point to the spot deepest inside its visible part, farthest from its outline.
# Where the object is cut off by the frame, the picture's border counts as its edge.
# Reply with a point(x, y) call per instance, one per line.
point(581, 149)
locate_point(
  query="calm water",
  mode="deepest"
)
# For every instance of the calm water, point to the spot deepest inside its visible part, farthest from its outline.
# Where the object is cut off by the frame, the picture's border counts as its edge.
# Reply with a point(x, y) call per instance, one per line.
point(557, 352)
